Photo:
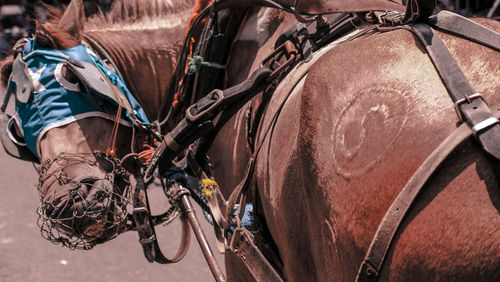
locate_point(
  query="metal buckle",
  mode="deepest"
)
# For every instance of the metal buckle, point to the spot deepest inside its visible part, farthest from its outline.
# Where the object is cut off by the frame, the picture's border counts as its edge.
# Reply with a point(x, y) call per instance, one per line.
point(467, 99)
point(205, 106)
point(147, 240)
point(393, 17)
point(286, 49)
point(140, 210)
point(485, 124)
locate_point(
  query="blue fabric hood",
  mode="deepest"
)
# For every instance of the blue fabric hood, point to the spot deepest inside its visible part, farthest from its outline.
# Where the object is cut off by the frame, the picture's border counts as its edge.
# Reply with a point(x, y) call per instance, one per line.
point(53, 104)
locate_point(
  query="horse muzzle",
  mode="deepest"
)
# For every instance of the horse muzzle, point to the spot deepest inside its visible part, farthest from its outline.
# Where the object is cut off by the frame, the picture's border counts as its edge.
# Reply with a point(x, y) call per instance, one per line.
point(84, 200)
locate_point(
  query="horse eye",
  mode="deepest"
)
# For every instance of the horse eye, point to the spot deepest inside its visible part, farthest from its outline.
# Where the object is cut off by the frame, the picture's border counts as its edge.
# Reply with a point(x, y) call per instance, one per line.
point(67, 78)
point(69, 75)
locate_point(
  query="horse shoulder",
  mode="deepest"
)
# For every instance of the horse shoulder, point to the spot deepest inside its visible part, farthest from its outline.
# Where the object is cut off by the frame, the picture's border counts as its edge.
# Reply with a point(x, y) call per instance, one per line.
point(347, 140)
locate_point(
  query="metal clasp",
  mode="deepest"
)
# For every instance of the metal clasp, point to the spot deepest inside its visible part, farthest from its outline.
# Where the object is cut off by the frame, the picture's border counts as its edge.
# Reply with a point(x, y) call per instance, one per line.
point(393, 18)
point(467, 99)
point(286, 49)
point(205, 106)
point(147, 240)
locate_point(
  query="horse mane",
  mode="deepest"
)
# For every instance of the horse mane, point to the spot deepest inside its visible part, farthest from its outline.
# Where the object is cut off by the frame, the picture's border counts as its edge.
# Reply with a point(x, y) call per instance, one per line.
point(139, 14)
point(48, 35)
point(125, 14)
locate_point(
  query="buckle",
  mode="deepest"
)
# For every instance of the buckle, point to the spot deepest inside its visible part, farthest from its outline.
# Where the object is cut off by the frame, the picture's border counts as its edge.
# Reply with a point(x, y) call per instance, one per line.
point(485, 124)
point(140, 210)
point(144, 241)
point(393, 18)
point(205, 106)
point(467, 99)
point(288, 50)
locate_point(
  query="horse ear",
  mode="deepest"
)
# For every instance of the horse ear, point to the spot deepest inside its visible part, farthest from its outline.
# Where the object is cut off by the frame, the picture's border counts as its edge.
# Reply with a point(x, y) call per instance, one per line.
point(73, 19)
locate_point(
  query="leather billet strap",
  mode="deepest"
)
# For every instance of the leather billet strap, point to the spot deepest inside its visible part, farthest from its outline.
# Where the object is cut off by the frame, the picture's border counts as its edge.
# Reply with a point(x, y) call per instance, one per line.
point(472, 110)
point(472, 107)
point(243, 247)
point(460, 26)
point(145, 226)
point(372, 264)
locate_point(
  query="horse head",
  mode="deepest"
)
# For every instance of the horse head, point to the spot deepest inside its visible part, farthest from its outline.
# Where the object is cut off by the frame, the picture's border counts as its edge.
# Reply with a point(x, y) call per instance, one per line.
point(80, 120)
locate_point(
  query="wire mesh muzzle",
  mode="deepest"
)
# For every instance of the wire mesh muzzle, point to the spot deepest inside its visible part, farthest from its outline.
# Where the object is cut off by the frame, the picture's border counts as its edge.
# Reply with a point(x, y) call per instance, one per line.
point(84, 199)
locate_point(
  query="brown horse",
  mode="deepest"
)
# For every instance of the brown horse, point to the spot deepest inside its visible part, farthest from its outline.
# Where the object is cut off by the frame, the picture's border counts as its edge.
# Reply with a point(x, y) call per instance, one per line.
point(143, 40)
point(353, 126)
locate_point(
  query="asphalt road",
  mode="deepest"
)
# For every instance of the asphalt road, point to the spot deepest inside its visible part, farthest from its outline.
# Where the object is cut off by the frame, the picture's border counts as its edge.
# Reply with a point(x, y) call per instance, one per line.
point(25, 256)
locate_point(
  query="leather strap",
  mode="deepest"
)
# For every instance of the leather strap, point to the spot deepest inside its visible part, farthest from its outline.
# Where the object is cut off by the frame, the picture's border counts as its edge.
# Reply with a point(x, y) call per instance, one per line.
point(471, 107)
point(199, 117)
point(418, 10)
point(145, 226)
point(374, 259)
point(460, 26)
point(250, 256)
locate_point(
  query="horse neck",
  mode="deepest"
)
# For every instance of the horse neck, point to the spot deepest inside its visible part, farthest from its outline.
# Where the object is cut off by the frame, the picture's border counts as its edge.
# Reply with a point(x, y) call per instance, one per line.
point(146, 58)
point(255, 41)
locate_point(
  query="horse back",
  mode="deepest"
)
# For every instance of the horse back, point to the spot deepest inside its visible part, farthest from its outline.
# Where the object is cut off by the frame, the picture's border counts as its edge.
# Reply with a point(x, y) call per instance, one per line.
point(349, 135)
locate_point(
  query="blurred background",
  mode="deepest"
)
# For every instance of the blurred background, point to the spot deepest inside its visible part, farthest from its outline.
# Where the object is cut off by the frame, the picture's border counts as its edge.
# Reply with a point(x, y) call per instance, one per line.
point(18, 17)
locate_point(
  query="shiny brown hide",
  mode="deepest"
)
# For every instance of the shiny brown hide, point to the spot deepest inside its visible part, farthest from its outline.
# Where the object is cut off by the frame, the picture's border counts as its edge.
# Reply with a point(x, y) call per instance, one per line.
point(347, 140)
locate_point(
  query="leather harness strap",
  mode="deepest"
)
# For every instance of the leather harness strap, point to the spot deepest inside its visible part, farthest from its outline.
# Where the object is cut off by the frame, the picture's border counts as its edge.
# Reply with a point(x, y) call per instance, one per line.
point(473, 111)
point(471, 106)
point(243, 247)
point(144, 224)
point(462, 27)
point(372, 264)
